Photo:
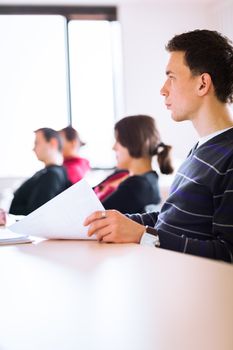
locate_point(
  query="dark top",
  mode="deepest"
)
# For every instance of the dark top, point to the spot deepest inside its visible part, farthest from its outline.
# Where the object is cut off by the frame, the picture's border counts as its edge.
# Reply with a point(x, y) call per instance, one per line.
point(39, 189)
point(197, 217)
point(134, 193)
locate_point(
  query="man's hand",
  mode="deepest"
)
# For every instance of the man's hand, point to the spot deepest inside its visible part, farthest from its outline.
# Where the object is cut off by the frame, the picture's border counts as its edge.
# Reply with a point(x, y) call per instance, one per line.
point(2, 217)
point(112, 226)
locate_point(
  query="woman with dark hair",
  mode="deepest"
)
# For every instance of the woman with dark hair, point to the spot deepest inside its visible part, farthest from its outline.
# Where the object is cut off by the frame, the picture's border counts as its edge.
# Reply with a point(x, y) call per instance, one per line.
point(137, 141)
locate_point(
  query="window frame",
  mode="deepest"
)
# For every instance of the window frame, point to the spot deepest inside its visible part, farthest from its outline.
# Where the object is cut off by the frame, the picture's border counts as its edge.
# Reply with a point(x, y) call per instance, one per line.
point(107, 13)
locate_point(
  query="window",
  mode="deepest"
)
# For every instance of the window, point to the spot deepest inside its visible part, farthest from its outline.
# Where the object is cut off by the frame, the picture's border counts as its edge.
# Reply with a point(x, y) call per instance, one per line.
point(45, 84)
point(92, 88)
point(32, 86)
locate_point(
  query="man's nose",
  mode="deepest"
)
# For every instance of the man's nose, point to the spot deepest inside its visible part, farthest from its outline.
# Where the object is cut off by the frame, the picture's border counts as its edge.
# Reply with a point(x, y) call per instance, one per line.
point(163, 91)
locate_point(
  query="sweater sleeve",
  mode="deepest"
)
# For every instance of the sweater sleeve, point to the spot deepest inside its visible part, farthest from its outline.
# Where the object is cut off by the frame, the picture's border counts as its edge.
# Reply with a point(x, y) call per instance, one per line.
point(146, 219)
point(214, 249)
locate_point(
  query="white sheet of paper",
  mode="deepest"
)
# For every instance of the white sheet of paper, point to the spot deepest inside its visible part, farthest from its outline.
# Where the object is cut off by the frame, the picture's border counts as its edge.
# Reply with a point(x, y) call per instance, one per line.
point(9, 237)
point(63, 216)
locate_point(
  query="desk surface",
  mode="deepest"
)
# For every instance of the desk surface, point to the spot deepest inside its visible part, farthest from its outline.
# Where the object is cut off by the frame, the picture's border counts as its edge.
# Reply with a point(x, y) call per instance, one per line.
point(65, 295)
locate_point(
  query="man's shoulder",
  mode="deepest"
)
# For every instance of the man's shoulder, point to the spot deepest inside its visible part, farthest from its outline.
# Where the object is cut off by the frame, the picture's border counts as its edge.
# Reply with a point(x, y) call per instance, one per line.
point(55, 170)
point(223, 139)
point(50, 171)
point(53, 174)
point(218, 150)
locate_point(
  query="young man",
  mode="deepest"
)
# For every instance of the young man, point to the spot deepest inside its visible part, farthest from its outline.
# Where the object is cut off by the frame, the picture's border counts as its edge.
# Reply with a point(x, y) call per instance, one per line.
point(197, 216)
point(46, 183)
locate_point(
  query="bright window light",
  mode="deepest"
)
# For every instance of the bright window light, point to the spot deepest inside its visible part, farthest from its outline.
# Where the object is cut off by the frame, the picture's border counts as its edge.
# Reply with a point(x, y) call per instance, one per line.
point(92, 86)
point(32, 86)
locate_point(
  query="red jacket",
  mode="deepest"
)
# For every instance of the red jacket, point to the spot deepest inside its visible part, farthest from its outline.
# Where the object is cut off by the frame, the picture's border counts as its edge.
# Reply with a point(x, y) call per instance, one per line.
point(76, 168)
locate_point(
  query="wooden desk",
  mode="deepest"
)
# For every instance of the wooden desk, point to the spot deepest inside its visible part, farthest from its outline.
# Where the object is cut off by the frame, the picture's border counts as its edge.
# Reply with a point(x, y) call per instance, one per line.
point(65, 295)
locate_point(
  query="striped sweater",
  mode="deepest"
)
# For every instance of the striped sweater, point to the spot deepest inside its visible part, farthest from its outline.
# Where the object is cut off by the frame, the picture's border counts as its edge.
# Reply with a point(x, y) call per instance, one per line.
point(197, 217)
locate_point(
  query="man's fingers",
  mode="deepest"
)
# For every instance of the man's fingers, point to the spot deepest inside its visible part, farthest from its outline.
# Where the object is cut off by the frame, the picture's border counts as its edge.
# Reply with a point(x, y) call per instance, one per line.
point(101, 223)
point(103, 233)
point(107, 238)
point(96, 226)
point(95, 216)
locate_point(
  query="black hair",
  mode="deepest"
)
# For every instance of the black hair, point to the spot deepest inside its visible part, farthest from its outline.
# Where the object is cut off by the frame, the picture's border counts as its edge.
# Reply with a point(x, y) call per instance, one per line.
point(208, 51)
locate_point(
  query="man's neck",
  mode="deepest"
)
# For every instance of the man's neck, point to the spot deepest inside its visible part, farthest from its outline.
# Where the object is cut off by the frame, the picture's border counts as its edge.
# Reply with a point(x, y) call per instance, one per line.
point(55, 159)
point(212, 118)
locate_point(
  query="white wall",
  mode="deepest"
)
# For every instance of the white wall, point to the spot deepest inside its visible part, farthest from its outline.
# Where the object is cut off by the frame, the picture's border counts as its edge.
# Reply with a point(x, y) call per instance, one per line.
point(222, 12)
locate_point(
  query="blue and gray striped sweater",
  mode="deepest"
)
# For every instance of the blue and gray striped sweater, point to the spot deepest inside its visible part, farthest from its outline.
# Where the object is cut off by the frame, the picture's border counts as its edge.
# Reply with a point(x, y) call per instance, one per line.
point(197, 217)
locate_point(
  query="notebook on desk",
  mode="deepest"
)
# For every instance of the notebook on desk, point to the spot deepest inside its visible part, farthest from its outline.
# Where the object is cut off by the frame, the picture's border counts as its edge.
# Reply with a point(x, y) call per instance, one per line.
point(9, 237)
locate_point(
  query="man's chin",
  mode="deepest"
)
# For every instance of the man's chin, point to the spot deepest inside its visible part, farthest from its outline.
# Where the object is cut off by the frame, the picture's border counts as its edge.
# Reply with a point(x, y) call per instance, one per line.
point(177, 118)
point(174, 117)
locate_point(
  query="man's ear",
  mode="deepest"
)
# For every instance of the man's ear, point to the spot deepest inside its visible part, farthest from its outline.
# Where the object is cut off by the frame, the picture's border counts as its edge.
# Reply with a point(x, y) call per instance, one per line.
point(53, 142)
point(204, 84)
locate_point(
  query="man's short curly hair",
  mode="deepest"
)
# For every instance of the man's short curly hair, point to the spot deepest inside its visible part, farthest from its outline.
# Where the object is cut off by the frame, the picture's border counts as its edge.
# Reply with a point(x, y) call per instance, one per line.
point(208, 51)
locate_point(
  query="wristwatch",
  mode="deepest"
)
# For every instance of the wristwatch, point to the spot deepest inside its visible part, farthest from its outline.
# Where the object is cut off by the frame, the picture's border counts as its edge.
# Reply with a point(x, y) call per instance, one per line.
point(150, 237)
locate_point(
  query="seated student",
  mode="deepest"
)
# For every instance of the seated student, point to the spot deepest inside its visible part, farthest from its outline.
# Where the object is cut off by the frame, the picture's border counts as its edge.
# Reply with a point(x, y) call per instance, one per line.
point(76, 166)
point(46, 183)
point(197, 216)
point(137, 141)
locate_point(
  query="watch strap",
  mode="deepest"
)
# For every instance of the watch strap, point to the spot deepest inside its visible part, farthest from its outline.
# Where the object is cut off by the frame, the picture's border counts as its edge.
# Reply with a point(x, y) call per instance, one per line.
point(150, 237)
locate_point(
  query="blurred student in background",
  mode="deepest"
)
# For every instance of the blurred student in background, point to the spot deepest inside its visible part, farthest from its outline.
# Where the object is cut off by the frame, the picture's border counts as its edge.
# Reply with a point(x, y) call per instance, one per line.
point(76, 166)
point(137, 142)
point(46, 183)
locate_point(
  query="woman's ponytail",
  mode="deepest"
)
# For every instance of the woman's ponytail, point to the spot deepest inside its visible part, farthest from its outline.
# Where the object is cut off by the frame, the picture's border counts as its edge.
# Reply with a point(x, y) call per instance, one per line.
point(164, 158)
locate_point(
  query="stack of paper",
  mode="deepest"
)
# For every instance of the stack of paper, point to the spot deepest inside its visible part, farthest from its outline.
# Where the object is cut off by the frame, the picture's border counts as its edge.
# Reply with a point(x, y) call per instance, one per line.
point(9, 237)
point(63, 216)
